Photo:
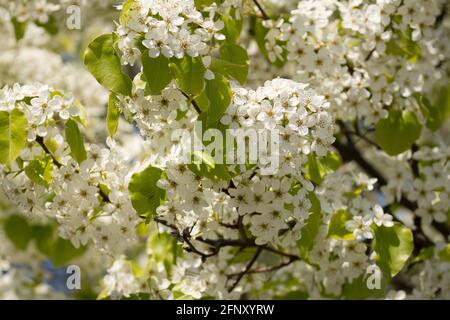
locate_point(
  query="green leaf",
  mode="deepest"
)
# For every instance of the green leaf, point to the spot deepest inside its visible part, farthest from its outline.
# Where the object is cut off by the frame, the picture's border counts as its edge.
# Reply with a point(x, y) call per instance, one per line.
point(204, 157)
point(165, 248)
point(433, 113)
point(260, 32)
point(43, 234)
point(104, 64)
point(19, 28)
point(203, 102)
point(444, 254)
point(294, 295)
point(45, 237)
point(219, 95)
point(313, 171)
point(200, 4)
point(18, 231)
point(319, 167)
point(359, 290)
point(311, 228)
point(60, 251)
point(81, 118)
point(138, 296)
point(232, 27)
point(233, 63)
point(331, 161)
point(113, 114)
point(205, 166)
point(13, 135)
point(63, 252)
point(397, 132)
point(393, 247)
point(145, 195)
point(336, 228)
point(75, 141)
point(424, 254)
point(442, 100)
point(217, 172)
point(403, 45)
point(40, 171)
point(208, 167)
point(127, 8)
point(189, 74)
point(51, 26)
point(156, 71)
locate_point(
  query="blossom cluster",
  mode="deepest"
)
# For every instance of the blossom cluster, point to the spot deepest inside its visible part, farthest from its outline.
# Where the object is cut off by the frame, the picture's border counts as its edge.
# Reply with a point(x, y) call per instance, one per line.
point(427, 184)
point(345, 86)
point(170, 29)
point(83, 214)
point(305, 127)
point(354, 52)
point(42, 11)
point(25, 10)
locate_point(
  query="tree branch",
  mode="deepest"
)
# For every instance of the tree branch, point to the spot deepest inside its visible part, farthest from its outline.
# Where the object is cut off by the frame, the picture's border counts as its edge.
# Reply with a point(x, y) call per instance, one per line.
point(247, 269)
point(41, 142)
point(261, 9)
point(192, 101)
point(349, 152)
point(268, 269)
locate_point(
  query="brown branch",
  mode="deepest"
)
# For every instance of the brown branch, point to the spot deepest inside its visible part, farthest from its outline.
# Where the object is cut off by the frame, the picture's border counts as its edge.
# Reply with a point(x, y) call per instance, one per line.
point(185, 237)
point(247, 269)
point(192, 101)
point(228, 242)
point(413, 162)
point(349, 152)
point(217, 244)
point(261, 9)
point(228, 225)
point(193, 249)
point(103, 195)
point(281, 253)
point(441, 17)
point(268, 269)
point(41, 142)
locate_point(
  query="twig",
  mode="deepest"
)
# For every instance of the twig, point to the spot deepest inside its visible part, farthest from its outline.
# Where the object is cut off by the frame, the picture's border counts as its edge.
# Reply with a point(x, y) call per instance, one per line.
point(192, 101)
point(40, 141)
point(247, 269)
point(195, 250)
point(240, 226)
point(363, 137)
point(349, 152)
point(221, 243)
point(413, 162)
point(185, 237)
point(281, 253)
point(268, 269)
point(260, 8)
point(228, 225)
point(440, 18)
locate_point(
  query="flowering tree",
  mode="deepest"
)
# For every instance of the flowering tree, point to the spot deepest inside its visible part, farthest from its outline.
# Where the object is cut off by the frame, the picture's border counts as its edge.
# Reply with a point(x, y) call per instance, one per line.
point(340, 186)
